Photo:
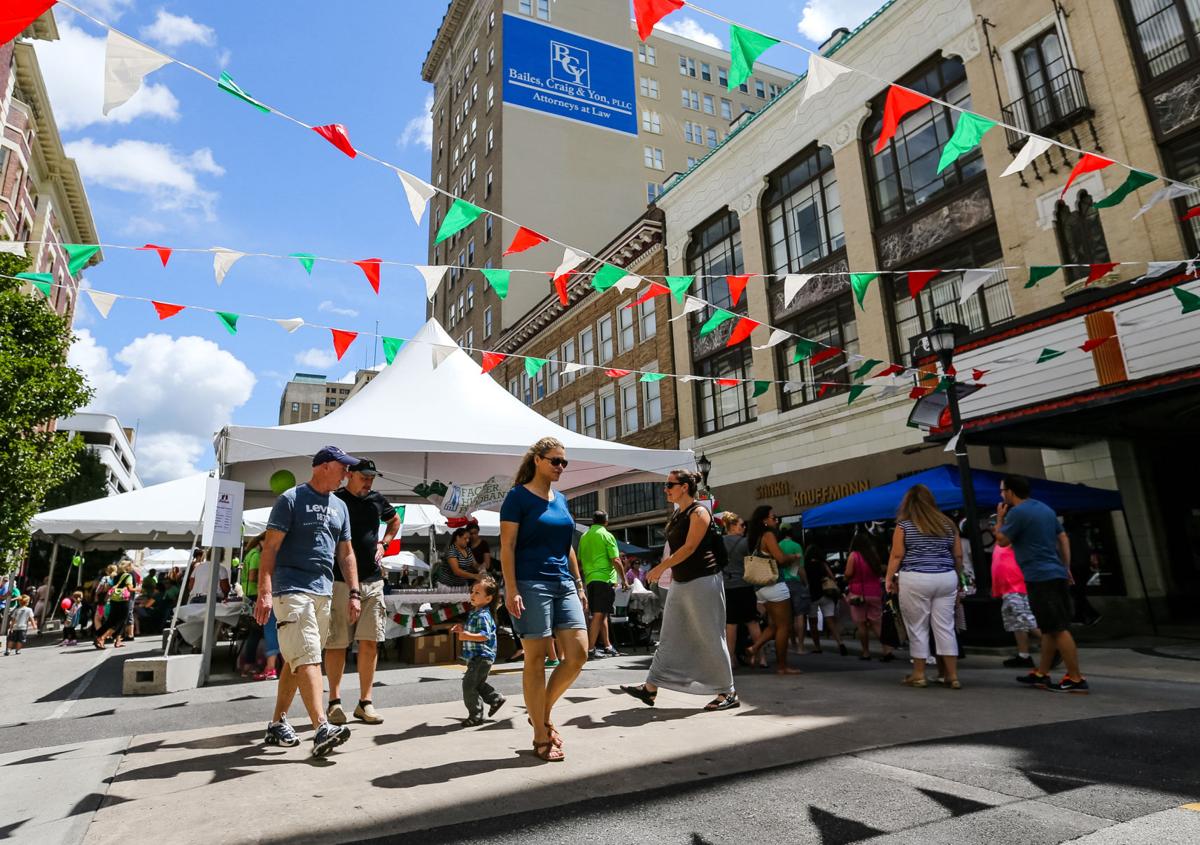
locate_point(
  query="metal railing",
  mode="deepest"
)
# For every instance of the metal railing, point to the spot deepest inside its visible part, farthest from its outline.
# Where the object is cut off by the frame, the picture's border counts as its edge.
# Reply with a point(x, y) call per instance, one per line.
point(1055, 106)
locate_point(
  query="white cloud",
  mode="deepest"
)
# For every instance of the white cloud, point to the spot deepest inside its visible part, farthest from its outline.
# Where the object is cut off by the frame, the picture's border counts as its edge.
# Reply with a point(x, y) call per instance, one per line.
point(317, 359)
point(419, 130)
point(330, 307)
point(690, 28)
point(175, 30)
point(821, 17)
point(179, 390)
point(74, 70)
point(168, 178)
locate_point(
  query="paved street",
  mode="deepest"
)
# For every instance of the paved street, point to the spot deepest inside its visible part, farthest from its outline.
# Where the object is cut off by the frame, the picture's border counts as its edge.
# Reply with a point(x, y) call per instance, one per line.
point(839, 754)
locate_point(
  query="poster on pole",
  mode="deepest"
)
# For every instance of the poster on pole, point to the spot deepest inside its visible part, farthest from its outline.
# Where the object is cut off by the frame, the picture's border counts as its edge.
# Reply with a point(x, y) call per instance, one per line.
point(223, 513)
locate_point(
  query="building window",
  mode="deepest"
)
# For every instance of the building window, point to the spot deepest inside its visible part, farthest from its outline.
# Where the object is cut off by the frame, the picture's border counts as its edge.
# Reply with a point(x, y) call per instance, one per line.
point(832, 324)
point(582, 507)
point(654, 190)
point(720, 407)
point(316, 409)
point(487, 184)
point(706, 71)
point(1080, 235)
point(803, 212)
point(1166, 32)
point(652, 401)
point(590, 423)
point(760, 89)
point(1051, 91)
point(470, 253)
point(571, 419)
point(568, 357)
point(711, 136)
point(687, 66)
point(526, 389)
point(625, 331)
point(723, 77)
point(727, 109)
point(692, 161)
point(487, 223)
point(525, 7)
point(470, 296)
point(651, 121)
point(491, 97)
point(470, 339)
point(491, 139)
point(649, 87)
point(693, 133)
point(1183, 163)
point(604, 330)
point(587, 346)
point(539, 384)
point(647, 55)
point(715, 251)
point(649, 320)
point(473, 169)
point(543, 10)
point(487, 321)
point(653, 157)
point(295, 407)
point(629, 407)
point(552, 375)
point(709, 106)
point(514, 389)
point(904, 174)
point(608, 416)
point(632, 499)
point(689, 99)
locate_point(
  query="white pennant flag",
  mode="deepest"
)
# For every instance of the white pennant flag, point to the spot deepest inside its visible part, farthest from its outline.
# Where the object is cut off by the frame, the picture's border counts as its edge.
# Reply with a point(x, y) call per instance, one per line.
point(440, 353)
point(419, 194)
point(890, 390)
point(778, 336)
point(686, 379)
point(567, 369)
point(953, 441)
point(690, 306)
point(13, 248)
point(821, 74)
point(1157, 268)
point(290, 325)
point(433, 277)
point(103, 302)
point(223, 259)
point(571, 259)
point(125, 63)
point(792, 283)
point(972, 281)
point(1034, 147)
point(1171, 192)
point(630, 282)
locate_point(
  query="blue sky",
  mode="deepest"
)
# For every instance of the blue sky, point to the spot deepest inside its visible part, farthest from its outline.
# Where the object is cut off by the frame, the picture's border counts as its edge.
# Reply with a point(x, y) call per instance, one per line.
point(185, 165)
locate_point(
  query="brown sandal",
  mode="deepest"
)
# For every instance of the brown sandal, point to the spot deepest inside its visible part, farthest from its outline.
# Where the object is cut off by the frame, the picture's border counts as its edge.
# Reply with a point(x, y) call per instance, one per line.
point(555, 736)
point(548, 752)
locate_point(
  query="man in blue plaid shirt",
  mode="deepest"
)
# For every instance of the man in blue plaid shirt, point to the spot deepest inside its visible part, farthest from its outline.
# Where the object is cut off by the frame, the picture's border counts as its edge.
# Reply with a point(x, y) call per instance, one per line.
point(478, 639)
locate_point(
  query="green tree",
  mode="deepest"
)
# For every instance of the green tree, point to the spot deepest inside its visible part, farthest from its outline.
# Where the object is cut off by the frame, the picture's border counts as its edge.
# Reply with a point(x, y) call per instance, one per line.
point(36, 387)
point(86, 479)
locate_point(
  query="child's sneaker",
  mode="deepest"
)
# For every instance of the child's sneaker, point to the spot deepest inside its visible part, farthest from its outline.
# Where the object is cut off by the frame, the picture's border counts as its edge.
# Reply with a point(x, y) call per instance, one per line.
point(472, 721)
point(492, 708)
point(281, 733)
point(329, 737)
point(1034, 679)
point(1068, 685)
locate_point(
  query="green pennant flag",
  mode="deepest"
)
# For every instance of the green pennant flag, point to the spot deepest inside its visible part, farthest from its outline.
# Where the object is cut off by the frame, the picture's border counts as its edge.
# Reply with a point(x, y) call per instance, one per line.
point(306, 260)
point(653, 376)
point(1037, 273)
point(1133, 181)
point(761, 387)
point(867, 366)
point(942, 385)
point(226, 83)
point(228, 320)
point(391, 345)
point(856, 390)
point(498, 279)
point(78, 255)
point(745, 46)
point(967, 134)
point(719, 316)
point(1189, 300)
point(42, 281)
point(461, 215)
point(532, 365)
point(1048, 354)
point(679, 285)
point(804, 350)
point(607, 276)
point(860, 282)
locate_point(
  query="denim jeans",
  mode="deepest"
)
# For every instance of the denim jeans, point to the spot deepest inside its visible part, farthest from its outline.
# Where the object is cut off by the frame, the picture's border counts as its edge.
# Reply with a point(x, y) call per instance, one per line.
point(475, 687)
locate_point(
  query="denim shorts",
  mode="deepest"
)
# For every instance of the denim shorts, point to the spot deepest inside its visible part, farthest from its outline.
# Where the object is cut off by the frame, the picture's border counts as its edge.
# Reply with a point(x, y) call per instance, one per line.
point(549, 606)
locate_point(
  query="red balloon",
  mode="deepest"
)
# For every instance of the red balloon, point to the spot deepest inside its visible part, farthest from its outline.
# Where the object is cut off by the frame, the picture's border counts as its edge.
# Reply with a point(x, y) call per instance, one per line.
point(66, 604)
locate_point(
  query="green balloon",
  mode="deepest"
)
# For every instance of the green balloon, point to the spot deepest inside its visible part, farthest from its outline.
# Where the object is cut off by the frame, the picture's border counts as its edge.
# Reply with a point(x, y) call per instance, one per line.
point(281, 481)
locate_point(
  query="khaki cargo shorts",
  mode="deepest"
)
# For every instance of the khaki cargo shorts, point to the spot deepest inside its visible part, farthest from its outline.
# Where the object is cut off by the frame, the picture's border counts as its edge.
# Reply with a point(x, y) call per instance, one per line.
point(372, 622)
point(302, 620)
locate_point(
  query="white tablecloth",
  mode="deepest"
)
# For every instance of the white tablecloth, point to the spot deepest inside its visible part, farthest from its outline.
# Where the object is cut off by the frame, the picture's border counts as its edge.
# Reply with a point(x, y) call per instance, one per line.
point(410, 602)
point(641, 600)
point(191, 619)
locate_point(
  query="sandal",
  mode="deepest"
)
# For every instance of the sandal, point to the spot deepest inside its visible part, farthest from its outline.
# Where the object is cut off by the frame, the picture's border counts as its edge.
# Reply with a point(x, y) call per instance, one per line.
point(723, 702)
point(98, 644)
point(640, 693)
point(555, 736)
point(955, 684)
point(918, 683)
point(546, 752)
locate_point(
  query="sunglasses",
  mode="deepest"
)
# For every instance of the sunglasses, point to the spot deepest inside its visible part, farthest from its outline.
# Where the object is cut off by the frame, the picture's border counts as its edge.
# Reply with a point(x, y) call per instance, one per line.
point(669, 484)
point(557, 462)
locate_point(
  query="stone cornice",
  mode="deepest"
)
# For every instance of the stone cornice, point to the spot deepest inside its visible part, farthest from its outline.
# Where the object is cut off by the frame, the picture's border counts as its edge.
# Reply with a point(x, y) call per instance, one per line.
point(447, 31)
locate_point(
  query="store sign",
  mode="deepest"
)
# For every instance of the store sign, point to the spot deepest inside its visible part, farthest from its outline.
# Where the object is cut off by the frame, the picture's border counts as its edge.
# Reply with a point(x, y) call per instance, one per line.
point(821, 495)
point(566, 75)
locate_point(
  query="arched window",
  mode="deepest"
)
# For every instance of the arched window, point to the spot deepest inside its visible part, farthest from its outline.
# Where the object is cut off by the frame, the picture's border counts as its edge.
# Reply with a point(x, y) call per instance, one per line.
point(1080, 235)
point(803, 212)
point(715, 251)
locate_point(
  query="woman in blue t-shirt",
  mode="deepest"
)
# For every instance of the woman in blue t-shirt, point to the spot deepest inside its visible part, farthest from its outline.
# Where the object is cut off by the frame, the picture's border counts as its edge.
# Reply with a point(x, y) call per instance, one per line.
point(544, 590)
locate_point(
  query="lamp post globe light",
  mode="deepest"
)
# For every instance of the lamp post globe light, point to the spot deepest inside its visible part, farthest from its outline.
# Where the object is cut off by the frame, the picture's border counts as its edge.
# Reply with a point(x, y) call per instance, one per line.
point(705, 466)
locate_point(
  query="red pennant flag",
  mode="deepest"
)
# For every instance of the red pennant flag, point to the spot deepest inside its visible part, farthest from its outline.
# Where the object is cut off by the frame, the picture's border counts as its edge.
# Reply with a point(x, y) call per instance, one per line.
point(615, 373)
point(335, 134)
point(166, 309)
point(737, 284)
point(164, 252)
point(370, 267)
point(918, 392)
point(741, 331)
point(19, 14)
point(650, 12)
point(560, 287)
point(491, 360)
point(900, 101)
point(891, 370)
point(823, 389)
point(1086, 164)
point(825, 355)
point(1191, 212)
point(918, 279)
point(654, 290)
point(951, 372)
point(342, 341)
point(1095, 343)
point(727, 382)
point(523, 240)
point(977, 374)
point(1099, 271)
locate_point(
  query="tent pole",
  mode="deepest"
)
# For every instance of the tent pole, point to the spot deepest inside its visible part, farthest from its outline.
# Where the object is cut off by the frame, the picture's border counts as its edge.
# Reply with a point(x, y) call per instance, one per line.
point(210, 614)
point(62, 592)
point(182, 587)
point(49, 586)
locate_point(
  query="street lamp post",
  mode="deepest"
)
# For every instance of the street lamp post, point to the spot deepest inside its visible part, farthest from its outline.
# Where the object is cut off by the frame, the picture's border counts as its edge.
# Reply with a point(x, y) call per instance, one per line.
point(705, 466)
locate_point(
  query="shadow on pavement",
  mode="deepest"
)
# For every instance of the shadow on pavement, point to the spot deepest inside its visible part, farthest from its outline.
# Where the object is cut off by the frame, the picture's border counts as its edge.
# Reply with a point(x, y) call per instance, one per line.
point(452, 771)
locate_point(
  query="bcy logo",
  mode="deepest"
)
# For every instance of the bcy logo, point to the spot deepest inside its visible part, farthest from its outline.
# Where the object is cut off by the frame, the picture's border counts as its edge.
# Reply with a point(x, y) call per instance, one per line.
point(570, 64)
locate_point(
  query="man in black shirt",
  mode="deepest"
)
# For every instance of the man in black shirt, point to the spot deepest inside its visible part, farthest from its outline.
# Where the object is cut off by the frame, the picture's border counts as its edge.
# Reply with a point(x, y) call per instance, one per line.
point(367, 510)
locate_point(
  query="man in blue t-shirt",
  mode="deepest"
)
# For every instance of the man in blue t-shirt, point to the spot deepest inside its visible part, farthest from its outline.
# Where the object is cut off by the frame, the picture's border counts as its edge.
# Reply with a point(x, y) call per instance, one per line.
point(1043, 552)
point(308, 530)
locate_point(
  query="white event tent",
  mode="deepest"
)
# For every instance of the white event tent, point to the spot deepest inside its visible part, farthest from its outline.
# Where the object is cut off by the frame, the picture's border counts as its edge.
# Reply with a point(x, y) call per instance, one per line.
point(420, 423)
point(418, 520)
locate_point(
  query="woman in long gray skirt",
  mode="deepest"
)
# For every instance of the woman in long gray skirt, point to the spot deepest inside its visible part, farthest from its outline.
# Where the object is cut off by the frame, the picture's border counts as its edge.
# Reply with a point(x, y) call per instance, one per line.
point(692, 656)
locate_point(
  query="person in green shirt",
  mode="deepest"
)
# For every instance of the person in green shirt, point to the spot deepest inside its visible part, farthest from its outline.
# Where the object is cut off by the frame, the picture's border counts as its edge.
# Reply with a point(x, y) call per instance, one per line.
point(603, 571)
point(249, 571)
point(797, 586)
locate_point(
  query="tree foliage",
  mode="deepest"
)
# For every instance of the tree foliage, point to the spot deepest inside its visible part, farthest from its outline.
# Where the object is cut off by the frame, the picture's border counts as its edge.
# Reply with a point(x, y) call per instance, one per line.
point(86, 479)
point(36, 387)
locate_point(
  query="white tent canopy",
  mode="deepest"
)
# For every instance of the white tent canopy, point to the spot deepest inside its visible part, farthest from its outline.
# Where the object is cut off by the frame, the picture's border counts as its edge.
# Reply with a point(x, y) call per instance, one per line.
point(452, 424)
point(418, 519)
point(166, 514)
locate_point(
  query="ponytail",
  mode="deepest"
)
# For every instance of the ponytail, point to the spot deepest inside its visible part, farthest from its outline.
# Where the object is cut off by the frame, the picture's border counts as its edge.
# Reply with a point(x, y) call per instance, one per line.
point(526, 470)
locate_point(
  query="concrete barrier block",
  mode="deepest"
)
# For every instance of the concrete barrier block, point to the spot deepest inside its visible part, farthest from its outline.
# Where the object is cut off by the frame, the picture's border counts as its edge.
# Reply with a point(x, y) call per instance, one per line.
point(158, 675)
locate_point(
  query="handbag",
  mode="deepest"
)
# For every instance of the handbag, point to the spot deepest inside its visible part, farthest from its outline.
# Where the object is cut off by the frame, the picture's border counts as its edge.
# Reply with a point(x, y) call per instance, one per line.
point(829, 589)
point(760, 570)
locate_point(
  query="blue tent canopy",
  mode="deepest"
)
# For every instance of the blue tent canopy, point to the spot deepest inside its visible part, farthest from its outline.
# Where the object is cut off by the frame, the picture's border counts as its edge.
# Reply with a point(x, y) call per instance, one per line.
point(883, 501)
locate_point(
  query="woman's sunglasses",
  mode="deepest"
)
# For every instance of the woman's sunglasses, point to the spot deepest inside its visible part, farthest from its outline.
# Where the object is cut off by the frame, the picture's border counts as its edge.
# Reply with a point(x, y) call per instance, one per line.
point(669, 484)
point(557, 462)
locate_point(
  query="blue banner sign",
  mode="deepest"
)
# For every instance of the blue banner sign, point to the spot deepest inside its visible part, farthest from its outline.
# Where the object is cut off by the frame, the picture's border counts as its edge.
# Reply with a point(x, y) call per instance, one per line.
point(566, 75)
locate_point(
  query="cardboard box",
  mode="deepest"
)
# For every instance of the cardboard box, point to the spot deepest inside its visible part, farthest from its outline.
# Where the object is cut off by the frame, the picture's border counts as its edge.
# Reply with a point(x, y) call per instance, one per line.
point(427, 649)
point(505, 646)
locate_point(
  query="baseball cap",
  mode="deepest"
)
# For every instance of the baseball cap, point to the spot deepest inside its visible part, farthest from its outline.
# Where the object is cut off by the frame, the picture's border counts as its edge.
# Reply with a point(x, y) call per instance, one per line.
point(366, 466)
point(333, 453)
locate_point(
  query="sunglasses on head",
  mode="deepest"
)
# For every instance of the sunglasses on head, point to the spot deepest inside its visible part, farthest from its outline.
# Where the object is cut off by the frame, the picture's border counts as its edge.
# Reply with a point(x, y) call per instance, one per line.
point(557, 462)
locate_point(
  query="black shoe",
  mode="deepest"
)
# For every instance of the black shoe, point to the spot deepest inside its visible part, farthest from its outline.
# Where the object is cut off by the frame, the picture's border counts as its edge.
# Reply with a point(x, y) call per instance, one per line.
point(640, 693)
point(496, 705)
point(472, 721)
point(1033, 679)
point(1067, 685)
point(1019, 662)
point(842, 650)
